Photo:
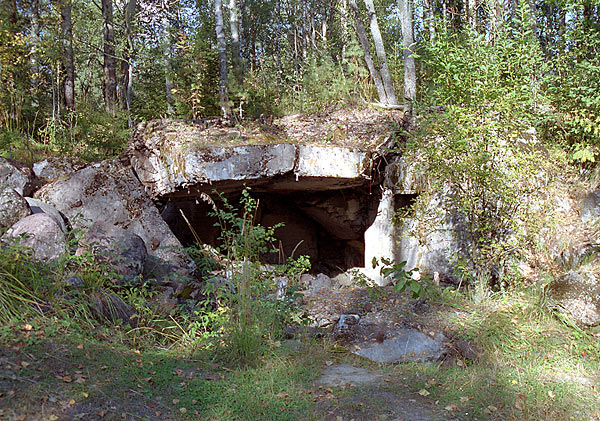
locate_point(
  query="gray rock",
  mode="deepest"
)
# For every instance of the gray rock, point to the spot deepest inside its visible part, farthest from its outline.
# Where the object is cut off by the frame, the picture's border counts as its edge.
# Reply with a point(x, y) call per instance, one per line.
point(164, 272)
point(109, 192)
point(42, 234)
point(589, 206)
point(345, 326)
point(73, 282)
point(13, 206)
point(55, 168)
point(402, 345)
point(107, 307)
point(166, 158)
point(577, 295)
point(122, 251)
point(37, 206)
point(165, 302)
point(317, 283)
point(16, 175)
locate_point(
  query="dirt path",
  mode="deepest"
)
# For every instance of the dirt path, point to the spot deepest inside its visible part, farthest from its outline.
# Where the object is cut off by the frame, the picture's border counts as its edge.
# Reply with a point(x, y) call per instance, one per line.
point(356, 393)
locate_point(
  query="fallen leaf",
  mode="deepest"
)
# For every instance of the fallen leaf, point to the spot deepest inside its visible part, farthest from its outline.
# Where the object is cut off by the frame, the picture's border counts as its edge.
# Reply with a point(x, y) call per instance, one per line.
point(80, 346)
point(551, 394)
point(28, 327)
point(182, 410)
point(52, 417)
point(24, 364)
point(452, 407)
point(328, 363)
point(424, 392)
point(464, 399)
point(72, 402)
point(67, 379)
point(84, 394)
point(175, 401)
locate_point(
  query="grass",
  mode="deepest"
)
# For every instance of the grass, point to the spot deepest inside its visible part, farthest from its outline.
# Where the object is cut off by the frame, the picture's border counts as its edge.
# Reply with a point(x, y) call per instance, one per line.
point(56, 360)
point(53, 370)
point(531, 365)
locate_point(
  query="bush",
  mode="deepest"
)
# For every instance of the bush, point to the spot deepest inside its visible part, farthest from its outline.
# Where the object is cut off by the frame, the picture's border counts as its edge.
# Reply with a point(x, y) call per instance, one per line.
point(475, 152)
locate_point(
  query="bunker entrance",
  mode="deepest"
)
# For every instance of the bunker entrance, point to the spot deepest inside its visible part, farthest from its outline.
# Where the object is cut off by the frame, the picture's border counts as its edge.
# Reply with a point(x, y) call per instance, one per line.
point(327, 226)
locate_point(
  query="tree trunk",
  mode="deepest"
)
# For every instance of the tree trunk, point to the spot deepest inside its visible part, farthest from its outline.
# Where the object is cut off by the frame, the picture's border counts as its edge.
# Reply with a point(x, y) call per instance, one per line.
point(364, 43)
point(472, 14)
point(66, 32)
point(495, 14)
point(125, 85)
point(561, 30)
point(428, 18)
point(380, 50)
point(236, 53)
point(35, 48)
point(110, 74)
point(410, 71)
point(344, 25)
point(221, 45)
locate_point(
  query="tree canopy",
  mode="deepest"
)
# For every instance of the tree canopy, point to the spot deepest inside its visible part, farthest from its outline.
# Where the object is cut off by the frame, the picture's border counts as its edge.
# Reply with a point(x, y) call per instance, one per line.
point(78, 75)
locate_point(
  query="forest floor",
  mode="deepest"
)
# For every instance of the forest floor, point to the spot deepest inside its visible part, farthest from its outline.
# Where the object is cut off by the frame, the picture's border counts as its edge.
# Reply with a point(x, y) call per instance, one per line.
point(528, 365)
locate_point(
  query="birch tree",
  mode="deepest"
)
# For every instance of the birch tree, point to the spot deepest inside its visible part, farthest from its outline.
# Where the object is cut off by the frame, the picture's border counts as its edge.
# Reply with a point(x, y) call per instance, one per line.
point(410, 70)
point(222, 49)
point(236, 53)
point(66, 31)
point(366, 48)
point(126, 81)
point(380, 50)
point(110, 74)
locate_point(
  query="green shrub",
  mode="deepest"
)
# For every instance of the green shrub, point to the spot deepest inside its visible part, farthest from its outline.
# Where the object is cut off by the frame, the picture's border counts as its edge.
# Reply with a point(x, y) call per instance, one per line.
point(471, 152)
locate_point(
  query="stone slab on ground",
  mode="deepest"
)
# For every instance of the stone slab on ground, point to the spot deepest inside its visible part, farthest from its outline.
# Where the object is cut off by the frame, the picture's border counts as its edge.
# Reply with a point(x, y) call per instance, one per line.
point(373, 395)
point(402, 345)
point(342, 374)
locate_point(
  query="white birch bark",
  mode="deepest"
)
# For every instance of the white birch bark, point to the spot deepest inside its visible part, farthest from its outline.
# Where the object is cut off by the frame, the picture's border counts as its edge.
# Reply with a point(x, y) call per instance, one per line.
point(364, 43)
point(222, 49)
point(410, 70)
point(380, 50)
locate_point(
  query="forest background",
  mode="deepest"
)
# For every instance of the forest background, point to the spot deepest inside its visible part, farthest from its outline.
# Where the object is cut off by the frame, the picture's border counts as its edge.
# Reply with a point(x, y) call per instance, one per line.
point(77, 75)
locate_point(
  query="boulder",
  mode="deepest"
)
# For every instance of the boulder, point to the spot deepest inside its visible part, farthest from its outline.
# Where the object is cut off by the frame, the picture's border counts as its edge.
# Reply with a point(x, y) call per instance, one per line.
point(42, 234)
point(123, 252)
point(13, 206)
point(107, 307)
point(109, 192)
point(37, 206)
point(55, 168)
point(577, 295)
point(16, 175)
point(317, 283)
point(589, 206)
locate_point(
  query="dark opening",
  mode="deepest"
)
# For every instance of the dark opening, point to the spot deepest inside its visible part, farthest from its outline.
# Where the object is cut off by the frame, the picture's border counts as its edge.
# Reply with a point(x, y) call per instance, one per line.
point(327, 226)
